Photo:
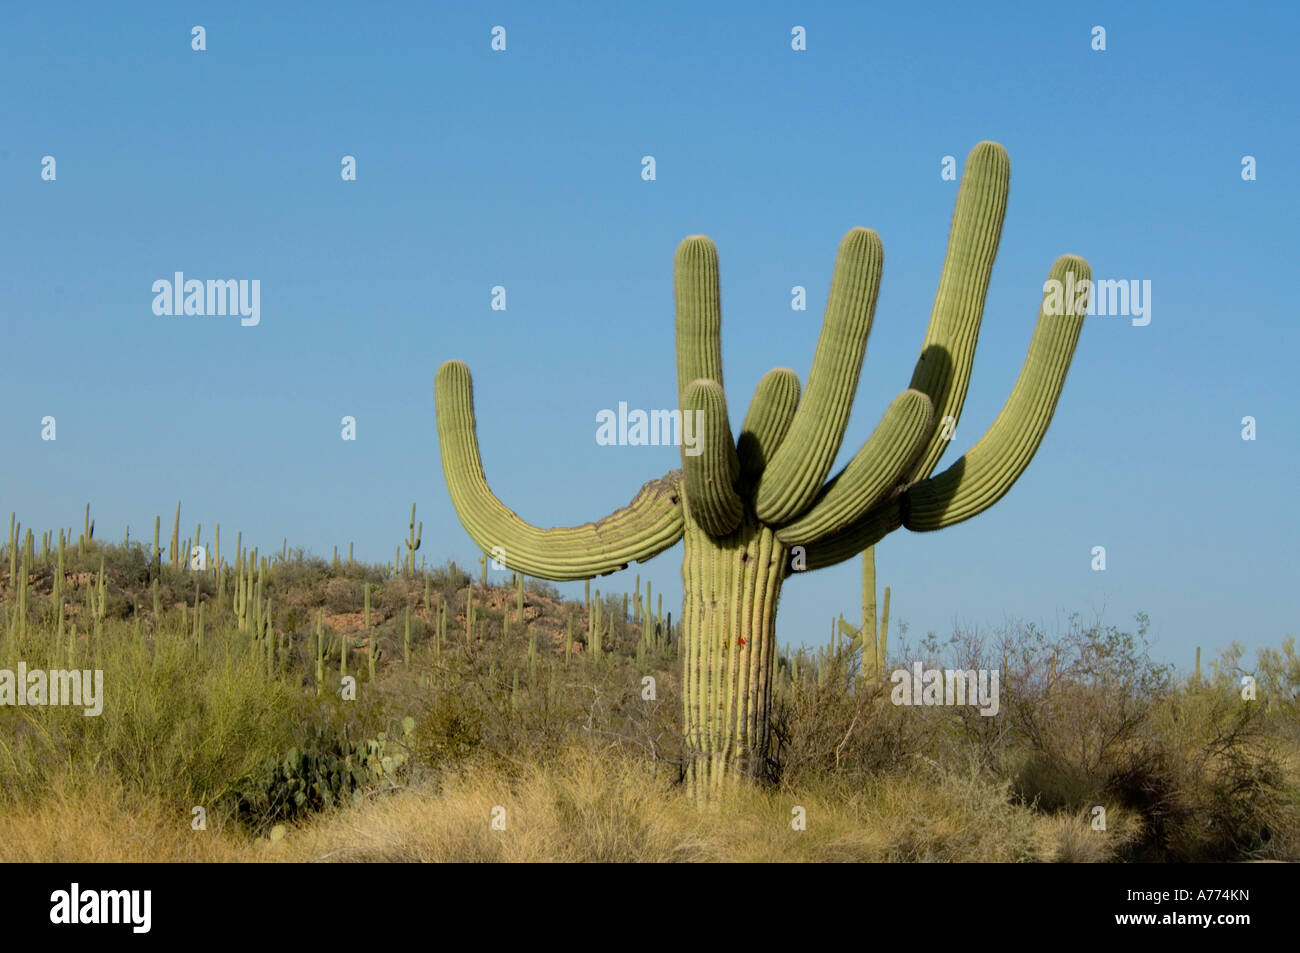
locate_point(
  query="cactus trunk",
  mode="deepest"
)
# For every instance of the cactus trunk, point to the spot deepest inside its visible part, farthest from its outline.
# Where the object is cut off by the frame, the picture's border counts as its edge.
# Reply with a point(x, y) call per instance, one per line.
point(731, 587)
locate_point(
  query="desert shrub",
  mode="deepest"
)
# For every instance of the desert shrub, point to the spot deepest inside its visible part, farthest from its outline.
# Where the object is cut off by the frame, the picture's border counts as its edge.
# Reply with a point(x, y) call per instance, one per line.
point(1096, 722)
point(177, 723)
point(451, 730)
point(542, 588)
point(343, 595)
point(1207, 781)
point(1075, 708)
point(1278, 674)
point(448, 580)
point(819, 729)
point(126, 565)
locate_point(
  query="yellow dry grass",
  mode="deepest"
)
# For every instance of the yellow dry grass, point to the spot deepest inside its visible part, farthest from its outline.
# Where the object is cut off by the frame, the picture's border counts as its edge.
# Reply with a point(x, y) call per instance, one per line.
point(586, 806)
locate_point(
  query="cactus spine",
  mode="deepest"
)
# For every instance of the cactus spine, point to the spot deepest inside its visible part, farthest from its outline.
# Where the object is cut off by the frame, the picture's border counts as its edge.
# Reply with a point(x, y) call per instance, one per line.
point(755, 510)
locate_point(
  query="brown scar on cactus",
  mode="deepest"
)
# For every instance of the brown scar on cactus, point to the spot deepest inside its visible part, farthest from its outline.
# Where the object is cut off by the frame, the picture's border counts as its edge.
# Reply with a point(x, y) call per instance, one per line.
point(745, 507)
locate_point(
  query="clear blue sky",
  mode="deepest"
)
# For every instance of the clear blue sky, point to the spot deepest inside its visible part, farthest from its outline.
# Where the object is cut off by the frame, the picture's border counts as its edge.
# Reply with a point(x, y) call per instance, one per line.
point(522, 169)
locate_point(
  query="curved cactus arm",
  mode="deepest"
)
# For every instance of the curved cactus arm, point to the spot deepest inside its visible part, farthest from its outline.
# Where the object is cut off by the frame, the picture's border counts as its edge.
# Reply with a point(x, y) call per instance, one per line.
point(651, 523)
point(699, 312)
point(710, 468)
point(800, 465)
point(992, 466)
point(870, 475)
point(944, 368)
point(768, 420)
point(878, 522)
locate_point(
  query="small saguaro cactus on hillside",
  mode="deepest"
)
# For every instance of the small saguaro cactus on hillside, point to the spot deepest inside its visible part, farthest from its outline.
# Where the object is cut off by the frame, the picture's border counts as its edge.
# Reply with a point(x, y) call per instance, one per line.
point(757, 509)
point(413, 539)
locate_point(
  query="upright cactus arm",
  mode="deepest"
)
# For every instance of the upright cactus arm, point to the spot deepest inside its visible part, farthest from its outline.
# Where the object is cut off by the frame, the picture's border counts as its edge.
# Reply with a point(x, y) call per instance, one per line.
point(711, 468)
point(943, 370)
point(699, 313)
point(990, 468)
point(651, 523)
point(771, 410)
point(801, 464)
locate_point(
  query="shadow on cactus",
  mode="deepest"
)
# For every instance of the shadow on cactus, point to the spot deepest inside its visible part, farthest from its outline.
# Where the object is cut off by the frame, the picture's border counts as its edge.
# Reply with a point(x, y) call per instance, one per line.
point(755, 510)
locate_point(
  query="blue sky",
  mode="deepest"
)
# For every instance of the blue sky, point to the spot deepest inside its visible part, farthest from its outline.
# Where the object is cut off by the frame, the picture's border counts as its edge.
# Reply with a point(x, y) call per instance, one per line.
point(477, 168)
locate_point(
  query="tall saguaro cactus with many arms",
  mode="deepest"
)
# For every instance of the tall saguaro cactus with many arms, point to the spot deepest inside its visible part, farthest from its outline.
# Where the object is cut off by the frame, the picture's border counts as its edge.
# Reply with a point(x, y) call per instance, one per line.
point(755, 510)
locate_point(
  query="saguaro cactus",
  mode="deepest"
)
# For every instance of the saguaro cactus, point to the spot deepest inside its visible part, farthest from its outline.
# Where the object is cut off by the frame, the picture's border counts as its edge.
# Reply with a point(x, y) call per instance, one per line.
point(755, 510)
point(873, 637)
point(413, 542)
point(879, 633)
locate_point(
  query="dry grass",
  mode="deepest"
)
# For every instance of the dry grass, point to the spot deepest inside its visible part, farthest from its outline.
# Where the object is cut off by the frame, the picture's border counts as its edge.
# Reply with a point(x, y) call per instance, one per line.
point(587, 805)
point(81, 822)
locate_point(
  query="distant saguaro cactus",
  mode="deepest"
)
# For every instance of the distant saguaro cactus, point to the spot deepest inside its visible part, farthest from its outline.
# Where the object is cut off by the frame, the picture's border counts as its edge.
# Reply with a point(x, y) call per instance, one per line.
point(873, 636)
point(757, 509)
point(413, 539)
